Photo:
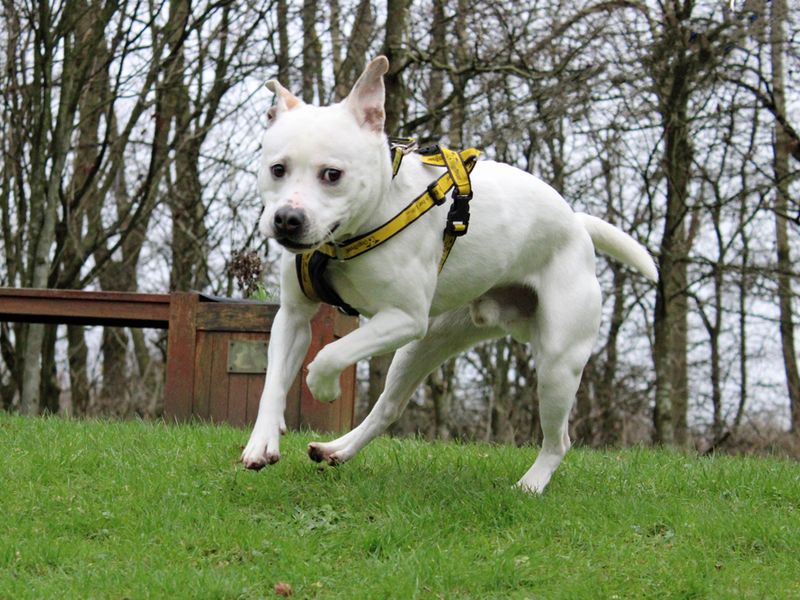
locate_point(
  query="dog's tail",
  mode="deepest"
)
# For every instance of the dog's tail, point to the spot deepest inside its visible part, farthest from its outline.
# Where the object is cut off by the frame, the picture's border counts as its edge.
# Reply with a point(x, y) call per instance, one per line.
point(618, 244)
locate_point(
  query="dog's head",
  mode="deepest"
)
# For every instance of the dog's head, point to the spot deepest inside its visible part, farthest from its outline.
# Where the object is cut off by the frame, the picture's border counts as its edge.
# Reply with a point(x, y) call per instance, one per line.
point(324, 169)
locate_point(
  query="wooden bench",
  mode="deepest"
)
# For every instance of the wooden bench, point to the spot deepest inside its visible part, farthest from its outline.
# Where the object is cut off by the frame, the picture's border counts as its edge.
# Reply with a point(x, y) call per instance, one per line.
point(216, 349)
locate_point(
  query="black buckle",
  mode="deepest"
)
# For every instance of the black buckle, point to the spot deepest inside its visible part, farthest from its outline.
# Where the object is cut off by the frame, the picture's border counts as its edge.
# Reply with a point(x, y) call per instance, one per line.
point(429, 150)
point(458, 216)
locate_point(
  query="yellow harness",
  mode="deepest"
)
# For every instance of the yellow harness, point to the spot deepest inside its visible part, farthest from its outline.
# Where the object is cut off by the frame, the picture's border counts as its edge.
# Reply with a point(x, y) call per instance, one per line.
point(311, 265)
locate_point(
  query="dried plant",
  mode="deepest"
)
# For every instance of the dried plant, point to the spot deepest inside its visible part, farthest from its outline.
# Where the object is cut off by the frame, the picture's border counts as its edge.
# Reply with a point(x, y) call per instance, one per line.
point(247, 268)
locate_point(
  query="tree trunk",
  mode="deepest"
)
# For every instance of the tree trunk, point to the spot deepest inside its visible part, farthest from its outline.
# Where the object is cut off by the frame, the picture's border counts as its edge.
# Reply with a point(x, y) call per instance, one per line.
point(583, 429)
point(438, 51)
point(439, 385)
point(609, 428)
point(283, 43)
point(668, 347)
point(673, 76)
point(78, 377)
point(352, 64)
point(501, 415)
point(85, 201)
point(743, 285)
point(184, 189)
point(394, 48)
point(378, 366)
point(48, 158)
point(49, 390)
point(781, 147)
point(311, 51)
point(459, 81)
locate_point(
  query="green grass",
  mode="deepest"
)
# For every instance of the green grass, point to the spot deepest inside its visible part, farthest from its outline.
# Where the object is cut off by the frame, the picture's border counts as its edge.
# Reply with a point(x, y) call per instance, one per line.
point(141, 510)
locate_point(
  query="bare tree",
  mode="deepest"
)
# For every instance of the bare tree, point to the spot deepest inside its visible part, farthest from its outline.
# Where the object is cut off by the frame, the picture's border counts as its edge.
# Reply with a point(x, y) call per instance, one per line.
point(781, 149)
point(668, 119)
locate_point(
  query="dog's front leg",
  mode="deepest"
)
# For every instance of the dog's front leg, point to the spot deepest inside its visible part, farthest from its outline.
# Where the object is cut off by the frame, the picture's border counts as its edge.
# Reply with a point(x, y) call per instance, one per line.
point(388, 330)
point(289, 341)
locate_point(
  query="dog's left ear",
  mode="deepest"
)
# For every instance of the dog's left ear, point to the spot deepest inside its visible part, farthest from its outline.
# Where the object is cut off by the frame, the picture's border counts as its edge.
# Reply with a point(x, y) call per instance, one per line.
point(286, 100)
point(366, 98)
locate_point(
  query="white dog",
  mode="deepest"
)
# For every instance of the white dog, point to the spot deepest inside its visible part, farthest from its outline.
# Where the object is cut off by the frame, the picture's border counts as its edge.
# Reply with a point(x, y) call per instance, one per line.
point(526, 268)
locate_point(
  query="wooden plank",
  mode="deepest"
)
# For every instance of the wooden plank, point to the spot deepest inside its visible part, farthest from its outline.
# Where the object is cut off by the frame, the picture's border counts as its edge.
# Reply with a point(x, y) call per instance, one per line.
point(310, 409)
point(239, 389)
point(76, 307)
point(181, 340)
point(83, 295)
point(203, 370)
point(292, 411)
point(237, 399)
point(319, 416)
point(236, 316)
point(220, 382)
point(346, 403)
point(255, 385)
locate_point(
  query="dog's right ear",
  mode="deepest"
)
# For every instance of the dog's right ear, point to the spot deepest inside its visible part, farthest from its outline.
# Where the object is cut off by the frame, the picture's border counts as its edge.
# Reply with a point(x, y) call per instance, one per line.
point(367, 97)
point(285, 100)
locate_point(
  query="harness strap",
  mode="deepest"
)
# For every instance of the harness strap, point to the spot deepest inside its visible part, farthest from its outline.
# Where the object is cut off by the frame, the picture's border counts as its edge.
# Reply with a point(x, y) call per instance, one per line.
point(459, 165)
point(456, 166)
point(400, 147)
point(458, 216)
point(311, 275)
point(311, 266)
point(449, 241)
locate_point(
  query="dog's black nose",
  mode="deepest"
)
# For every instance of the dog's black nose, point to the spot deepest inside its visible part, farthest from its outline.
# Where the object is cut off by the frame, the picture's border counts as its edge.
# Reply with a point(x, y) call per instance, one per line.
point(288, 221)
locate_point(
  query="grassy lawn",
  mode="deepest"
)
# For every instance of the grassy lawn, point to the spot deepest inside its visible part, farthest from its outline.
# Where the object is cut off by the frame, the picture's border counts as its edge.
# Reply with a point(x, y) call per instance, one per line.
point(140, 510)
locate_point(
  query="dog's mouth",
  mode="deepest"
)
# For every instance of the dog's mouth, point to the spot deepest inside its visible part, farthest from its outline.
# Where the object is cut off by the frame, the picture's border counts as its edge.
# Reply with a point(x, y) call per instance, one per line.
point(300, 247)
point(295, 246)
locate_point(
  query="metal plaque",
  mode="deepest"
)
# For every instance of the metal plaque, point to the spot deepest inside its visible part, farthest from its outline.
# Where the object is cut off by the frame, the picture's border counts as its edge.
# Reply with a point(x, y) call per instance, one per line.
point(247, 357)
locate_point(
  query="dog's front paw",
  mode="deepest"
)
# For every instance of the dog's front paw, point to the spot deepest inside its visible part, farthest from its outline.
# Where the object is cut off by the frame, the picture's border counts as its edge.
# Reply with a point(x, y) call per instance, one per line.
point(259, 453)
point(324, 386)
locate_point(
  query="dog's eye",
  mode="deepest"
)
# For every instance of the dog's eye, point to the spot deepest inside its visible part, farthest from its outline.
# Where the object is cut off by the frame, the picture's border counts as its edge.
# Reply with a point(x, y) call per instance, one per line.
point(330, 175)
point(278, 170)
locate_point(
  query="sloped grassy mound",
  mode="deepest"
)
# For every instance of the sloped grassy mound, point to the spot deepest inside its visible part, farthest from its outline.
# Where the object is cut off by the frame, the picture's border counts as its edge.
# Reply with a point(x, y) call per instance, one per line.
point(137, 510)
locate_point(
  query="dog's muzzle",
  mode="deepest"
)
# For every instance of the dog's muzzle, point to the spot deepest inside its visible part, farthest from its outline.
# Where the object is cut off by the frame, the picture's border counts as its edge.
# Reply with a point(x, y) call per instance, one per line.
point(290, 225)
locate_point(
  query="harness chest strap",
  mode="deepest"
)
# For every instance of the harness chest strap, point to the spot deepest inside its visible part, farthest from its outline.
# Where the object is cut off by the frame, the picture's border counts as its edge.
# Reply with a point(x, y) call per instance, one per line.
point(311, 266)
point(458, 217)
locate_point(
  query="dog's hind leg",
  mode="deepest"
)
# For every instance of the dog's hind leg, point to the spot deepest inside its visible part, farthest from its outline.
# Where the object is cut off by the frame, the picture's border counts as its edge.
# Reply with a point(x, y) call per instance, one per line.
point(447, 335)
point(567, 321)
